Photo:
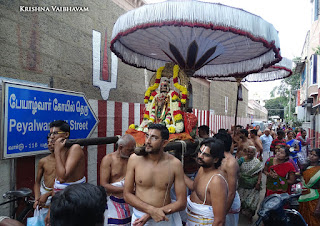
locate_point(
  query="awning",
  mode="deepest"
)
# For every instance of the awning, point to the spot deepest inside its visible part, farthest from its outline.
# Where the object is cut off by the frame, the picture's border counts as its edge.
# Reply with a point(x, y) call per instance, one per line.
point(299, 67)
point(313, 94)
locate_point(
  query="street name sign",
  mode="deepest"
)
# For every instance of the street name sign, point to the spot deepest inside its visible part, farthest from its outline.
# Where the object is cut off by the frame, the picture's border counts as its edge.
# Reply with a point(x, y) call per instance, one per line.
point(28, 110)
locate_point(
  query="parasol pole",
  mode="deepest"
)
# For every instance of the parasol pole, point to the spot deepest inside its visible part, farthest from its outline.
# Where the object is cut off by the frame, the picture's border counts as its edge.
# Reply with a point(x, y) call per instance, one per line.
point(237, 102)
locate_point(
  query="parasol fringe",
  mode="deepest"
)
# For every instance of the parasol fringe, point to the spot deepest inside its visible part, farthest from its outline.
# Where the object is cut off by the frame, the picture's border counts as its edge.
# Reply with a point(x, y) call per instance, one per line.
point(197, 12)
point(281, 70)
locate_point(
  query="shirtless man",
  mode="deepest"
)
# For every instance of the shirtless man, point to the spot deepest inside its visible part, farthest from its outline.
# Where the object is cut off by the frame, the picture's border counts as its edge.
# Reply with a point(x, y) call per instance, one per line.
point(235, 134)
point(149, 179)
point(231, 168)
point(203, 131)
point(208, 200)
point(243, 142)
point(259, 133)
point(7, 221)
point(257, 143)
point(70, 162)
point(43, 188)
point(272, 132)
point(112, 174)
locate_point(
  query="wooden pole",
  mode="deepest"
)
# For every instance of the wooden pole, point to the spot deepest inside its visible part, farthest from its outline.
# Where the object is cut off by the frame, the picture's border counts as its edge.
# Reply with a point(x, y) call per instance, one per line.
point(92, 141)
point(176, 146)
point(237, 103)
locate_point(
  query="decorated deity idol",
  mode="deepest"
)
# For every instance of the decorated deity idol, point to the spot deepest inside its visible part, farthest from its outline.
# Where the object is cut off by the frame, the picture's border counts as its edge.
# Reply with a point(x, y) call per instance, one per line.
point(164, 106)
point(162, 103)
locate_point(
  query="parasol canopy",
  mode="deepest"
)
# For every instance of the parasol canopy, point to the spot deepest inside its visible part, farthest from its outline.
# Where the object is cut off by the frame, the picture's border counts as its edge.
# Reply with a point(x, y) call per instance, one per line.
point(280, 70)
point(205, 39)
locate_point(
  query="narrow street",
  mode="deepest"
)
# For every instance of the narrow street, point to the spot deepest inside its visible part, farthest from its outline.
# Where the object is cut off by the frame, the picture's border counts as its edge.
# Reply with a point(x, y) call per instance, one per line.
point(243, 221)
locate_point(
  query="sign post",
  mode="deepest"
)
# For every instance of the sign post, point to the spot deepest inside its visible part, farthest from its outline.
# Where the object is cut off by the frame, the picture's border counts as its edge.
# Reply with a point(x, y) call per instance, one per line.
point(28, 110)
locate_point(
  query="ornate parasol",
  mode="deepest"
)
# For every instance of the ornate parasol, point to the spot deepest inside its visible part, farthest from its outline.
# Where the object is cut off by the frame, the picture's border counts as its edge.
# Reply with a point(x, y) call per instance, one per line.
point(281, 70)
point(205, 39)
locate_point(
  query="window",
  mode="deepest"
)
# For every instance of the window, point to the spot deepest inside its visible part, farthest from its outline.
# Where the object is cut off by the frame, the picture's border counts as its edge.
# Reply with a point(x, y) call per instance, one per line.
point(303, 76)
point(313, 70)
point(314, 75)
point(315, 10)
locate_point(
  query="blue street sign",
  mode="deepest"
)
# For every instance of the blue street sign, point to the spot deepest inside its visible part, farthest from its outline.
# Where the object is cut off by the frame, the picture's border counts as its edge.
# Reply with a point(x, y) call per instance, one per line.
point(28, 110)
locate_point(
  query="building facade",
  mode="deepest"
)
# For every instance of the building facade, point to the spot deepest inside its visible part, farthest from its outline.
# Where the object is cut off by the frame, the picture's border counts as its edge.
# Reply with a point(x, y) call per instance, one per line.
point(65, 45)
point(308, 97)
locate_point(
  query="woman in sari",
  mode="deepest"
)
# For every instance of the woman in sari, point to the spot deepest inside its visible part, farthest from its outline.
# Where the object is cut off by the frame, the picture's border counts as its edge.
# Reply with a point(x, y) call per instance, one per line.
point(295, 146)
point(280, 173)
point(249, 182)
point(305, 147)
point(309, 202)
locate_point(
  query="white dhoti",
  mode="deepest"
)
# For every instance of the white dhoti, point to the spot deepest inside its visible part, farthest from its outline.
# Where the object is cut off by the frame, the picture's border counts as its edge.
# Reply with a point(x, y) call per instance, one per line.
point(232, 217)
point(199, 214)
point(60, 186)
point(117, 212)
point(174, 219)
point(43, 190)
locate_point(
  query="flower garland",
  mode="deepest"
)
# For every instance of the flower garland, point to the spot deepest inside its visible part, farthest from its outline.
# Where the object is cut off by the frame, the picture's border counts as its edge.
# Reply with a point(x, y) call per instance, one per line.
point(183, 90)
point(155, 85)
point(177, 115)
point(132, 126)
point(146, 115)
point(176, 125)
point(174, 118)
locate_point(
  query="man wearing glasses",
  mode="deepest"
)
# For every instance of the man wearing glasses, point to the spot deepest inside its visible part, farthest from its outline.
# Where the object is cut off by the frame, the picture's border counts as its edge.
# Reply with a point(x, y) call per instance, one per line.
point(70, 161)
point(149, 179)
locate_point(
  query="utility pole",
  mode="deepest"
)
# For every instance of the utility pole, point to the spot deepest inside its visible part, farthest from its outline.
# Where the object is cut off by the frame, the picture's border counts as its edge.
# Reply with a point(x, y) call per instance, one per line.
point(290, 104)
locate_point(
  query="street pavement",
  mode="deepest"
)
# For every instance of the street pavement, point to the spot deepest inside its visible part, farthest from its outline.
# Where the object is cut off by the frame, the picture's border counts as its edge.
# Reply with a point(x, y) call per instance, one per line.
point(243, 221)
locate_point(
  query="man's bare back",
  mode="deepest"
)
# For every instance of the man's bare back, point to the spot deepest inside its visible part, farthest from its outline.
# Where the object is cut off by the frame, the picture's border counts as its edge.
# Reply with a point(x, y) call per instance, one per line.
point(231, 169)
point(242, 146)
point(258, 145)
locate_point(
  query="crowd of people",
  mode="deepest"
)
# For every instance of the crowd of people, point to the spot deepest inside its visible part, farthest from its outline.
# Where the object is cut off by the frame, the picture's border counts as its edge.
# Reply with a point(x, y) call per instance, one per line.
point(153, 188)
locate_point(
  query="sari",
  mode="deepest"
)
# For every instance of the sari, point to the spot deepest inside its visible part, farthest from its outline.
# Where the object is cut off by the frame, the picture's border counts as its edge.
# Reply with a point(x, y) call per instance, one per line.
point(248, 179)
point(293, 154)
point(278, 185)
point(310, 195)
point(305, 146)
